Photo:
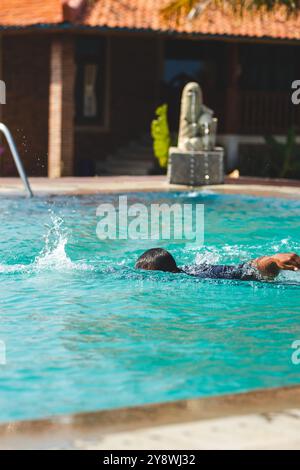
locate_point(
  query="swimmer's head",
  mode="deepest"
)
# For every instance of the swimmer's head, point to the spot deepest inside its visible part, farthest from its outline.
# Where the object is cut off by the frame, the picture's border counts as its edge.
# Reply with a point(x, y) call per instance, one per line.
point(157, 259)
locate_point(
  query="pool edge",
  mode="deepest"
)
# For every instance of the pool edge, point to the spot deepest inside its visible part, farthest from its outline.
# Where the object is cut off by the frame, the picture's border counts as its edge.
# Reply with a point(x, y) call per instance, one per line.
point(56, 431)
point(105, 185)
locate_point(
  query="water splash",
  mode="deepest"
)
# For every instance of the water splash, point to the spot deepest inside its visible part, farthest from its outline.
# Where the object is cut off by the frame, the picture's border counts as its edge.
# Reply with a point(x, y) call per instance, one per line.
point(203, 192)
point(235, 254)
point(208, 256)
point(15, 268)
point(53, 256)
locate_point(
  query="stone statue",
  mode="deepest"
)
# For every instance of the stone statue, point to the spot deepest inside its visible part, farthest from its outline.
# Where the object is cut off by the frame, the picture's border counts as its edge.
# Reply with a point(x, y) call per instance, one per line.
point(196, 160)
point(198, 127)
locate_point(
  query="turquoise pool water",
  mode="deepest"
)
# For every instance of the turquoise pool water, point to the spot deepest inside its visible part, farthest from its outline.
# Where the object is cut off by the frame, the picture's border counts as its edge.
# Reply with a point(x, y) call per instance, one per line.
point(84, 331)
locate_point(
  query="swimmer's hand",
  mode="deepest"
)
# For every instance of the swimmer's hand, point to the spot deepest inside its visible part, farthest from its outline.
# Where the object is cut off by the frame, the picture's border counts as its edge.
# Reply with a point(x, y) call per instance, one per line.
point(270, 266)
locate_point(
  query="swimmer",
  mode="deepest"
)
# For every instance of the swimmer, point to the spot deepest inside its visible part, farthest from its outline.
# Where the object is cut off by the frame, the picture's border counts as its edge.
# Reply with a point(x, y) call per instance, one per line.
point(264, 268)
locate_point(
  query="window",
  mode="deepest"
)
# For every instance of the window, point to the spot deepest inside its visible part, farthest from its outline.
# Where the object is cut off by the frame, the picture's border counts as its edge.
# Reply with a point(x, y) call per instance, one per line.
point(91, 81)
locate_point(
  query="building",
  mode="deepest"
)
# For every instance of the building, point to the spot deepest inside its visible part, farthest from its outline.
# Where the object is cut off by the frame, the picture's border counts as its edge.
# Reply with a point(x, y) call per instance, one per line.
point(83, 79)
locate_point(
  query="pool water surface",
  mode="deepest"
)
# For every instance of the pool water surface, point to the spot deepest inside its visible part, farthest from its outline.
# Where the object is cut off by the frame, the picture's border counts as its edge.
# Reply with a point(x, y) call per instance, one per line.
point(83, 330)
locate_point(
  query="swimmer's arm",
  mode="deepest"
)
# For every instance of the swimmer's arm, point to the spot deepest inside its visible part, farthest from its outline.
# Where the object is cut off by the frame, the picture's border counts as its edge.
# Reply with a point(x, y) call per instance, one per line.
point(270, 266)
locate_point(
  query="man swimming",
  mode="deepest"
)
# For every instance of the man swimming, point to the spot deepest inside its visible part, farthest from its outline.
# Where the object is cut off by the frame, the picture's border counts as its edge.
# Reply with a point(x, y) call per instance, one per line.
point(266, 267)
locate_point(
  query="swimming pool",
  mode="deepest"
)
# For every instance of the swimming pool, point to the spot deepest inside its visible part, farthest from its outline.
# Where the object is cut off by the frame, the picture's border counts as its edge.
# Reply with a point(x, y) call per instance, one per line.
point(84, 331)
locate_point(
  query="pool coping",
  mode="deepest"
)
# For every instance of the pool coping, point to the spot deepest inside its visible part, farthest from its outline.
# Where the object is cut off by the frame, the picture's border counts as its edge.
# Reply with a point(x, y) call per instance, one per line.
point(119, 184)
point(65, 431)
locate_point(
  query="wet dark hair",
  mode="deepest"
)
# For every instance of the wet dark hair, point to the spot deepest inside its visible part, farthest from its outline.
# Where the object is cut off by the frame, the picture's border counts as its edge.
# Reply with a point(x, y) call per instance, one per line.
point(157, 259)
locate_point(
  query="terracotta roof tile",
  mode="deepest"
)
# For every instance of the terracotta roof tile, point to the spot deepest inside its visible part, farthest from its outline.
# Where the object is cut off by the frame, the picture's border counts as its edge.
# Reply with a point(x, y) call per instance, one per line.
point(29, 12)
point(145, 14)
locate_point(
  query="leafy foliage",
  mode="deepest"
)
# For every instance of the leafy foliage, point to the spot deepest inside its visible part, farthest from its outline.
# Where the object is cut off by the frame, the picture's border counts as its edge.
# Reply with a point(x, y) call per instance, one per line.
point(285, 161)
point(161, 135)
point(191, 8)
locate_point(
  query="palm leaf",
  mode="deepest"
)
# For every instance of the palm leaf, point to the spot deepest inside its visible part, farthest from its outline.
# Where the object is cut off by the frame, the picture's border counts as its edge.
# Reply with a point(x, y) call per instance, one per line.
point(179, 8)
point(176, 7)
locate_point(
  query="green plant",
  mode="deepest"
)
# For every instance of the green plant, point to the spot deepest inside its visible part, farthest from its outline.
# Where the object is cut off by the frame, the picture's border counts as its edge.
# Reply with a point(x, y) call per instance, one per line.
point(285, 161)
point(161, 135)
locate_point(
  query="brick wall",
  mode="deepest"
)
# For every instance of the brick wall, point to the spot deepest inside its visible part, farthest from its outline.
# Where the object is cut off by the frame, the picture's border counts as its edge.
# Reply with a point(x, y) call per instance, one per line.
point(25, 67)
point(61, 107)
point(133, 86)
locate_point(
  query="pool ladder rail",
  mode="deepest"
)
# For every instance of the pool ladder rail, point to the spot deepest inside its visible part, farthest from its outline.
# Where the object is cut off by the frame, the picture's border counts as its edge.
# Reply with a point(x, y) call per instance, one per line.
point(11, 143)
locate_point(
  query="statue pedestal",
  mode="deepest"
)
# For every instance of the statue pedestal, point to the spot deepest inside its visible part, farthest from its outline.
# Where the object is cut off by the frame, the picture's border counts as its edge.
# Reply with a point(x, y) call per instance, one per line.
point(196, 168)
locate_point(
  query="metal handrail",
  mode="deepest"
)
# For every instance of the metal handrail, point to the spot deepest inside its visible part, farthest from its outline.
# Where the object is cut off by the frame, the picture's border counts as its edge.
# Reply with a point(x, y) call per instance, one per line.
point(4, 129)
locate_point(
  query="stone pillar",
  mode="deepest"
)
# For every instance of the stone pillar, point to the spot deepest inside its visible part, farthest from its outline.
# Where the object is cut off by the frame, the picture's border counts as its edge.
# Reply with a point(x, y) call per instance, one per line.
point(61, 108)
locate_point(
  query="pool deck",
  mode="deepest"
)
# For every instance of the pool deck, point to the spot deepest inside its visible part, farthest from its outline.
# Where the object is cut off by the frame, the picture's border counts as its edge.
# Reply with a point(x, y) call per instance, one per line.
point(266, 419)
point(119, 184)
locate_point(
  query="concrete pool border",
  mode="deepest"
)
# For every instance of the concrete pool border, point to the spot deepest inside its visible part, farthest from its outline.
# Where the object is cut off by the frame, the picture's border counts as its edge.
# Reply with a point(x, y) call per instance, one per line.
point(268, 418)
point(107, 184)
point(265, 419)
